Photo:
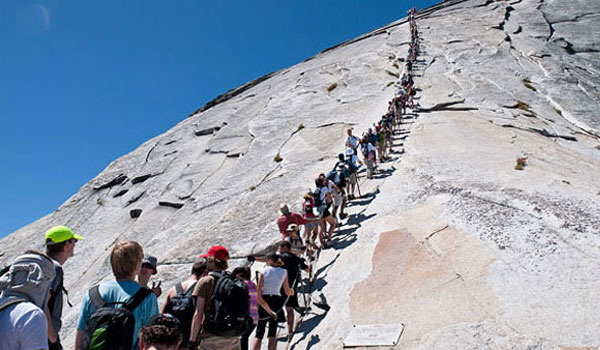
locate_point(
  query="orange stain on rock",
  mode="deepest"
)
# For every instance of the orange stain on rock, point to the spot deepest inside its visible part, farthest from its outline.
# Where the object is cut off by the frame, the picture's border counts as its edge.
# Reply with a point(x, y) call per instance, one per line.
point(426, 284)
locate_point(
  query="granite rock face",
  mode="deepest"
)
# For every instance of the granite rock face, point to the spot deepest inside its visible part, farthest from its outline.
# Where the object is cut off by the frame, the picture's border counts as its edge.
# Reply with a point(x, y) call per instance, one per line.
point(482, 255)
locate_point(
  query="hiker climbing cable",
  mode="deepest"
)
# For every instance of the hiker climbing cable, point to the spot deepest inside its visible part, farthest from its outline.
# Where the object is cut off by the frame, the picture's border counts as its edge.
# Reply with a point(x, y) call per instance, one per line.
point(60, 244)
point(288, 218)
point(179, 301)
point(270, 282)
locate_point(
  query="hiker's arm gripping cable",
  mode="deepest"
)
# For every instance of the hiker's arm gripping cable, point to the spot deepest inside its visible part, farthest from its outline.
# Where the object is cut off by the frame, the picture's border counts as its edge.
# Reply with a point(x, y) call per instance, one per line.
point(286, 287)
point(197, 320)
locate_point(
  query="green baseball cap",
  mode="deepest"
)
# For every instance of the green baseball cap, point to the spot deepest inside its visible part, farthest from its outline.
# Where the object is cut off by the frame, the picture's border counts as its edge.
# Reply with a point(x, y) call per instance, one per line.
point(59, 234)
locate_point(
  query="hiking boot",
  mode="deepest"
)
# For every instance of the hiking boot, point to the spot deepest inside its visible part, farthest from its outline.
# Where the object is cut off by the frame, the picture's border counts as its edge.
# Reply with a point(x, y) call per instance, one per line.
point(343, 215)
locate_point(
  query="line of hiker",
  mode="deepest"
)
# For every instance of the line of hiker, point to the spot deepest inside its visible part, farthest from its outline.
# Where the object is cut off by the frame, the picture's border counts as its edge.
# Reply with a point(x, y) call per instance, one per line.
point(212, 309)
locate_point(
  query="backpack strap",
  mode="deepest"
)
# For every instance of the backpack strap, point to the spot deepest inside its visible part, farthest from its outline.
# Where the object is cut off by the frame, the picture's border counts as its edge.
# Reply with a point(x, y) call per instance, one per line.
point(137, 298)
point(191, 289)
point(13, 301)
point(62, 286)
point(96, 298)
point(179, 289)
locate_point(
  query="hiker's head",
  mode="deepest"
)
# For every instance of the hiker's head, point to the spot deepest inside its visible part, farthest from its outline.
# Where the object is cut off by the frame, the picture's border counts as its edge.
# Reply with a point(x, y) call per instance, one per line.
point(148, 267)
point(163, 332)
point(126, 259)
point(308, 196)
point(284, 246)
point(216, 258)
point(60, 240)
point(274, 260)
point(292, 229)
point(341, 157)
point(319, 182)
point(284, 209)
point(349, 131)
point(199, 268)
point(29, 277)
point(242, 272)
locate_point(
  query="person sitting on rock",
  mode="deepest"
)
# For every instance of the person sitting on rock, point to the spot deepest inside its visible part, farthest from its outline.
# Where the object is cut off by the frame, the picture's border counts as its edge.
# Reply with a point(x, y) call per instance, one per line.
point(288, 218)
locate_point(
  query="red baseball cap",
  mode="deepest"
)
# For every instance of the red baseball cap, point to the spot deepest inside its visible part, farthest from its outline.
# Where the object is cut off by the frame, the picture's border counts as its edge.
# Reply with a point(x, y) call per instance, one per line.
point(218, 252)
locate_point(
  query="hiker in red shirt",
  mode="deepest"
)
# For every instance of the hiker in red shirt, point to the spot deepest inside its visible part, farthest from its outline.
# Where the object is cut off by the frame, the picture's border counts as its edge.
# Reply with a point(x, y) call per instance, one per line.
point(288, 218)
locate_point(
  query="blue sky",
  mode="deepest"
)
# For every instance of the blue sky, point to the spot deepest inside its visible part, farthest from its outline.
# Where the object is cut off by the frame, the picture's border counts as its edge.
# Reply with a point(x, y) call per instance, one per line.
point(84, 82)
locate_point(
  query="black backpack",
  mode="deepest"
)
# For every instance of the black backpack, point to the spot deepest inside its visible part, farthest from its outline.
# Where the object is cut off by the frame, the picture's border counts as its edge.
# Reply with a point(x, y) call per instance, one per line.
point(317, 197)
point(111, 328)
point(183, 306)
point(229, 314)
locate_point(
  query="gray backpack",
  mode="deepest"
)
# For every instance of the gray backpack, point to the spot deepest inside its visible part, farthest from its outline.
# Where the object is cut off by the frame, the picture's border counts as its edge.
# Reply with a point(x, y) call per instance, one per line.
point(29, 278)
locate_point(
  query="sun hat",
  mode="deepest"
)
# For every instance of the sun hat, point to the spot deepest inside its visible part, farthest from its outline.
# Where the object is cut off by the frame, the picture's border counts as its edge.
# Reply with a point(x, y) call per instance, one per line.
point(284, 209)
point(218, 251)
point(59, 234)
point(152, 261)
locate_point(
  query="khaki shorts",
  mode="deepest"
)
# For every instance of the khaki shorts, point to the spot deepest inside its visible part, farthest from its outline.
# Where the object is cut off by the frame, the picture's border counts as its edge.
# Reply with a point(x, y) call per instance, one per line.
point(353, 179)
point(337, 199)
point(219, 343)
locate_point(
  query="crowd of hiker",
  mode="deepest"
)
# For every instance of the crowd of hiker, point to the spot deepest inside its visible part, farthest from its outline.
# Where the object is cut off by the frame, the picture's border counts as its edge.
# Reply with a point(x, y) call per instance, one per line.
point(212, 308)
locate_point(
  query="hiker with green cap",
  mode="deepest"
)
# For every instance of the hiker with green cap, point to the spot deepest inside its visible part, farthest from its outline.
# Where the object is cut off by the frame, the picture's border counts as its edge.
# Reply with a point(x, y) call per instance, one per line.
point(60, 245)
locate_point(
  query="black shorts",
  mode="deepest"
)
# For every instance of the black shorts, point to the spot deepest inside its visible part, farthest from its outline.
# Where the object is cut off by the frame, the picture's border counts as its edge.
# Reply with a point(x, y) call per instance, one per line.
point(276, 304)
point(292, 301)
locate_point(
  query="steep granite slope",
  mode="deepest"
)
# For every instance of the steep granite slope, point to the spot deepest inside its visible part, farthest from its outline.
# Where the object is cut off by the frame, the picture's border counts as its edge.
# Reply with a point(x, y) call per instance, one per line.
point(450, 239)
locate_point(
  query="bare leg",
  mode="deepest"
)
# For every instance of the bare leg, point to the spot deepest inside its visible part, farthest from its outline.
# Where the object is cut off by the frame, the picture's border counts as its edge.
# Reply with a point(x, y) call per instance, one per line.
point(322, 228)
point(272, 343)
point(332, 225)
point(290, 318)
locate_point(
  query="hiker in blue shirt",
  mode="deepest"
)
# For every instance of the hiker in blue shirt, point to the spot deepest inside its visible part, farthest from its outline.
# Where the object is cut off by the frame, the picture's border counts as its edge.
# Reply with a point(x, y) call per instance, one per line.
point(126, 262)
